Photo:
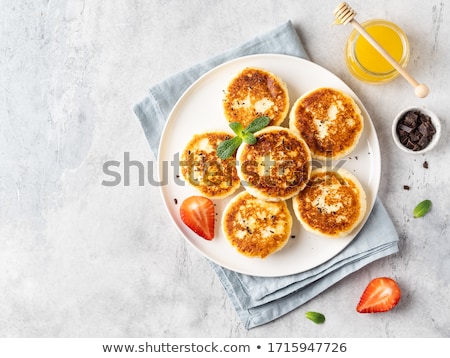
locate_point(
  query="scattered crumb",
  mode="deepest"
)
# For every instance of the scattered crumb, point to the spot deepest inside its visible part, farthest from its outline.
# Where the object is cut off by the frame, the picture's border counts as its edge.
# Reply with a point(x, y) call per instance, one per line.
point(406, 187)
point(292, 236)
point(425, 164)
point(175, 201)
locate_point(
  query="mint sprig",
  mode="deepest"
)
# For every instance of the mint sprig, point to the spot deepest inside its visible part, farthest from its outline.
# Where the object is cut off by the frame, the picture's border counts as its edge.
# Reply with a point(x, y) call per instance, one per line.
point(228, 147)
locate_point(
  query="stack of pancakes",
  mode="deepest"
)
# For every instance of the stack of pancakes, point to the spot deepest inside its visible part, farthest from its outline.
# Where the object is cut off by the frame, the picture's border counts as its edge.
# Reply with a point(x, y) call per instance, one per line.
point(324, 124)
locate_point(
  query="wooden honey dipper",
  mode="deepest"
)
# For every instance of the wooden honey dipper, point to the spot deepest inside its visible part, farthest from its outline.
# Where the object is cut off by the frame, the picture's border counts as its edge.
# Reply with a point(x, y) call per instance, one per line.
point(345, 14)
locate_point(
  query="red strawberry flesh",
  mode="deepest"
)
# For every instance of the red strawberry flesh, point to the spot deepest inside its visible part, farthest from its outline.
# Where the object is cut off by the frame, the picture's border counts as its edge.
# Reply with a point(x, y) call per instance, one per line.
point(381, 295)
point(197, 212)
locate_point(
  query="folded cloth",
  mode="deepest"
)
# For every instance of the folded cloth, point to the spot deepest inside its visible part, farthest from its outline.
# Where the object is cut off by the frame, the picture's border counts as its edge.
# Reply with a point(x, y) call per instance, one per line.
point(260, 300)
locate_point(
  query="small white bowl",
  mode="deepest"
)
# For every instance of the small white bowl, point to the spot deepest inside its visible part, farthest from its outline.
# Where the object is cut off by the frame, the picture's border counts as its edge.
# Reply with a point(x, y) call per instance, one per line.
point(434, 120)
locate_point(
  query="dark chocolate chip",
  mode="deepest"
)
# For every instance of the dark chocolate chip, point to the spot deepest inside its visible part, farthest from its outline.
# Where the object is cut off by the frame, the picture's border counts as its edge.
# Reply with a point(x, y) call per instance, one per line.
point(423, 142)
point(405, 128)
point(410, 119)
point(423, 129)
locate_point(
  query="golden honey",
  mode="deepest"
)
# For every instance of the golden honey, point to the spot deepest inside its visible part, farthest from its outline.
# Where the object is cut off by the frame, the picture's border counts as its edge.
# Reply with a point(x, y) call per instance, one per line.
point(364, 61)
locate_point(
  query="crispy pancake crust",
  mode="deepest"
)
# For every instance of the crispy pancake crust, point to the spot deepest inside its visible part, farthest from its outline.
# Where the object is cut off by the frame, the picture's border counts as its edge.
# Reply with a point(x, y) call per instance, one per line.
point(277, 167)
point(255, 92)
point(332, 204)
point(204, 170)
point(256, 228)
point(329, 121)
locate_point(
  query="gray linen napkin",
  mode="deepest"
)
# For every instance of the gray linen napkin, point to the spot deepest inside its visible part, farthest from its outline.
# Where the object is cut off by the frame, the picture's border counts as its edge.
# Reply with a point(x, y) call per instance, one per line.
point(259, 300)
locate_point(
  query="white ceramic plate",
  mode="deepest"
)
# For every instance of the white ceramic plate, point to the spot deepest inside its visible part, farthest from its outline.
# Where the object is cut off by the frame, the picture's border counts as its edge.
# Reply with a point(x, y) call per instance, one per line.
point(200, 108)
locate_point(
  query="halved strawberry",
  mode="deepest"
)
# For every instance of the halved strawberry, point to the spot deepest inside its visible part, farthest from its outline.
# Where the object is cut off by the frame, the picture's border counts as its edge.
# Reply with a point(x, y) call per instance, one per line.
point(197, 212)
point(382, 294)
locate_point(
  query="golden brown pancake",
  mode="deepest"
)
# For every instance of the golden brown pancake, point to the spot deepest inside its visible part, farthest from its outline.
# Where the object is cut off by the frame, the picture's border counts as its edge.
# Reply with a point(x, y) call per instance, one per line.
point(256, 228)
point(329, 120)
point(332, 204)
point(256, 92)
point(277, 167)
point(204, 170)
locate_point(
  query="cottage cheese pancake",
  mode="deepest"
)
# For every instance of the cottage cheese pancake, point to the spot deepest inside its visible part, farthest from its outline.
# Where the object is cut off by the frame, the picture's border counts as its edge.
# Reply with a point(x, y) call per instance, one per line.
point(204, 170)
point(255, 92)
point(256, 228)
point(277, 167)
point(328, 120)
point(332, 204)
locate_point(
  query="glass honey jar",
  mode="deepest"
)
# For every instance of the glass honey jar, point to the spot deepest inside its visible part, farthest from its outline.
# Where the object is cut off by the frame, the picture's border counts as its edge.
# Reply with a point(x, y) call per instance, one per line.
point(363, 60)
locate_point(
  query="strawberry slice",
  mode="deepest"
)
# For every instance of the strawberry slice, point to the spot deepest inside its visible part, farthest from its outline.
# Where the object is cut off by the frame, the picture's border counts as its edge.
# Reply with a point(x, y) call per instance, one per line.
point(382, 294)
point(197, 212)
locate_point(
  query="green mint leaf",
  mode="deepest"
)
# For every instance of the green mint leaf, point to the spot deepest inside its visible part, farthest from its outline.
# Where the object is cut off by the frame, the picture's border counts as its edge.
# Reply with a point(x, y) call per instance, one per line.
point(316, 317)
point(422, 208)
point(257, 124)
point(237, 128)
point(249, 138)
point(227, 148)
